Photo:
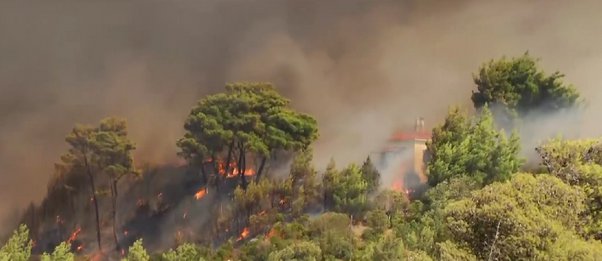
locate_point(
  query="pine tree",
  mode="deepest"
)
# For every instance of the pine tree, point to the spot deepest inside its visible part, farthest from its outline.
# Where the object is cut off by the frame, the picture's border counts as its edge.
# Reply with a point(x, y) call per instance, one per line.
point(371, 175)
point(137, 252)
point(18, 247)
point(477, 150)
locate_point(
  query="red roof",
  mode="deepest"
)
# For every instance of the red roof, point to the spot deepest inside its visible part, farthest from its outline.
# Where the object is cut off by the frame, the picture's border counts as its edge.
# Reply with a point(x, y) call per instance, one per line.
point(405, 136)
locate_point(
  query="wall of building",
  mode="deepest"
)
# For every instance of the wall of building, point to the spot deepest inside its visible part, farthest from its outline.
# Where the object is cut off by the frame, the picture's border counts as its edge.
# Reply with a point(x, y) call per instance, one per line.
point(419, 165)
point(403, 161)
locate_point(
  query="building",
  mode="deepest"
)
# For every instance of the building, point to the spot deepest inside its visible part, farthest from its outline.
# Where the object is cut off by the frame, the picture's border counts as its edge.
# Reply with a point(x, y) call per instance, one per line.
point(404, 158)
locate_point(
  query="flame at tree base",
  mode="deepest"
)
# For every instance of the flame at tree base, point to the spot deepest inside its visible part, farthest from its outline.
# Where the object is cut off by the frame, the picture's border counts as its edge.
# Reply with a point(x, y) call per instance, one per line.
point(271, 233)
point(244, 234)
point(74, 235)
point(399, 187)
point(200, 194)
point(233, 170)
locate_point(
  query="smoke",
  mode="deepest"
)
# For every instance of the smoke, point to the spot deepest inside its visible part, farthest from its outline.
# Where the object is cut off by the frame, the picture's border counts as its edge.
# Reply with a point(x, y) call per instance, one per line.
point(392, 167)
point(363, 68)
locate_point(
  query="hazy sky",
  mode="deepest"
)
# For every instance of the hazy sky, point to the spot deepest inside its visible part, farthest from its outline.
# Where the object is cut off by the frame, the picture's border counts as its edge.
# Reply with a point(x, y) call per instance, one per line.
point(363, 68)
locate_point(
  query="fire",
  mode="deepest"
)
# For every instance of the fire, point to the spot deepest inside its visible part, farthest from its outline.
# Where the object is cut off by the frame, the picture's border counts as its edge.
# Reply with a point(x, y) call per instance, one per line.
point(408, 192)
point(271, 233)
point(233, 171)
point(397, 185)
point(200, 194)
point(74, 235)
point(97, 256)
point(244, 234)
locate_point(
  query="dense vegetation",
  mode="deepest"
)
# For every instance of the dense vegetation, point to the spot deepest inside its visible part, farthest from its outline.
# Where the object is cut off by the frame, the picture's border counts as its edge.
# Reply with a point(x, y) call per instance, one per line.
point(481, 204)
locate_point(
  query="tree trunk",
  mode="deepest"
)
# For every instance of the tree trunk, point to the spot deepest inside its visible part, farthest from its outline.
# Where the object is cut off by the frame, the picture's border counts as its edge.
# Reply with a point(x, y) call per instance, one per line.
point(241, 171)
point(229, 157)
point(95, 199)
point(260, 170)
point(114, 213)
point(216, 174)
point(203, 173)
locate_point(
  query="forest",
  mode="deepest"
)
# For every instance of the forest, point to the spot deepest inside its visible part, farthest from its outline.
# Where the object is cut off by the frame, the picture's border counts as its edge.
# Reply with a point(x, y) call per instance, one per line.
point(249, 189)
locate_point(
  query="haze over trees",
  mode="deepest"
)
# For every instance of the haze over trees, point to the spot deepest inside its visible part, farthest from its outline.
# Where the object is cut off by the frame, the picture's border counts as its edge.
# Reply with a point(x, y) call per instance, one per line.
point(481, 203)
point(520, 86)
point(462, 146)
point(100, 153)
point(249, 122)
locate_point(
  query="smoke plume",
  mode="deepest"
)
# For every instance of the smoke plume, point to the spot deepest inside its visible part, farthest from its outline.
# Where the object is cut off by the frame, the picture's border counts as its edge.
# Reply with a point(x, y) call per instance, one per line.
point(363, 68)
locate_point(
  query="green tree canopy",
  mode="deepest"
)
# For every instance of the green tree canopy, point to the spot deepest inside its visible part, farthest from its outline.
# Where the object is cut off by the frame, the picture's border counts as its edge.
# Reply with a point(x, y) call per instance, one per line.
point(137, 252)
point(304, 181)
point(62, 252)
point(578, 163)
point(18, 247)
point(101, 153)
point(186, 251)
point(371, 175)
point(387, 248)
point(247, 120)
point(521, 86)
point(449, 251)
point(333, 232)
point(529, 217)
point(474, 148)
point(298, 251)
point(113, 150)
point(347, 189)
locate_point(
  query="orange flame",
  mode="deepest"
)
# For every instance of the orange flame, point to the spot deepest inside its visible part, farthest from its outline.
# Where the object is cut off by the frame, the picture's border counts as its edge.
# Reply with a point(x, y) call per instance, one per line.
point(97, 256)
point(397, 185)
point(233, 171)
point(245, 233)
point(271, 233)
point(200, 194)
point(74, 235)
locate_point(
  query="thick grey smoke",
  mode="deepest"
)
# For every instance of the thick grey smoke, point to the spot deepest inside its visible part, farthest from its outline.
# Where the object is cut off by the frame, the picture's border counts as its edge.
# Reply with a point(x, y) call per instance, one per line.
point(363, 68)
